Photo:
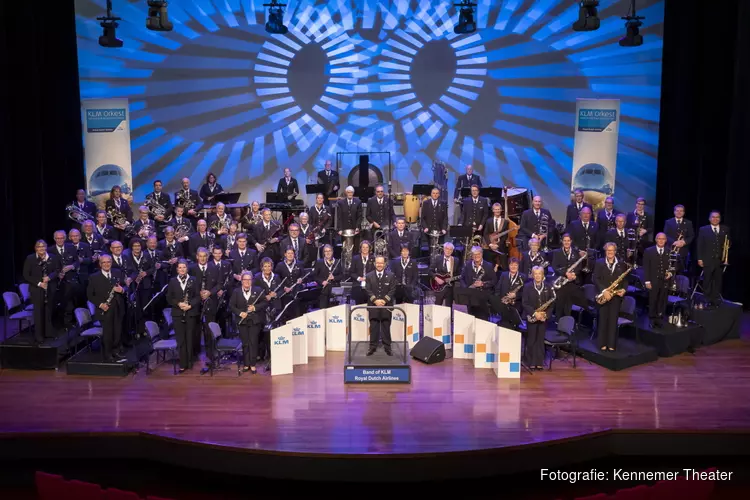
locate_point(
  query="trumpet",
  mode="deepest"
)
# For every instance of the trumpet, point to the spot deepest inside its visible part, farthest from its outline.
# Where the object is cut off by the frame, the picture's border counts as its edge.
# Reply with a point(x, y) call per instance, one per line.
point(725, 251)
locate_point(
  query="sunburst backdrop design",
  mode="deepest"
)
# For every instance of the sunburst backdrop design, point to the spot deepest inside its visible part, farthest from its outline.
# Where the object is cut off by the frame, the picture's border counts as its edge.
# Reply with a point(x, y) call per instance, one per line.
point(220, 94)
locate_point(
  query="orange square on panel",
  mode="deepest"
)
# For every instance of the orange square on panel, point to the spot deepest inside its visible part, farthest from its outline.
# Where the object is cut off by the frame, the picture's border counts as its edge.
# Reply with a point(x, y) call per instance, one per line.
point(410, 329)
point(459, 338)
point(438, 332)
point(481, 347)
point(504, 357)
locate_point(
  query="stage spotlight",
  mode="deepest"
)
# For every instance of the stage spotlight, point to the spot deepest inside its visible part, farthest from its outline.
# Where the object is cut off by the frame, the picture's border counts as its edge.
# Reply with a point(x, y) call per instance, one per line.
point(633, 37)
point(109, 25)
point(466, 21)
point(158, 18)
point(275, 24)
point(588, 19)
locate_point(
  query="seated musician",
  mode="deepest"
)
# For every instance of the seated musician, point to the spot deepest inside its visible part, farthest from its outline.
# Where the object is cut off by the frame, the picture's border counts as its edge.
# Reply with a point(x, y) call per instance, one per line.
point(188, 199)
point(210, 189)
point(144, 226)
point(532, 257)
point(535, 294)
point(321, 219)
point(119, 205)
point(219, 222)
point(200, 239)
point(103, 229)
point(573, 211)
point(326, 272)
point(288, 185)
point(606, 272)
point(248, 304)
point(228, 242)
point(243, 259)
point(493, 238)
point(398, 238)
point(305, 228)
point(443, 272)
point(93, 239)
point(407, 277)
point(619, 236)
point(362, 264)
point(84, 205)
point(297, 243)
point(182, 225)
point(567, 263)
point(267, 235)
point(290, 270)
point(253, 217)
point(474, 211)
point(478, 274)
point(380, 287)
point(509, 289)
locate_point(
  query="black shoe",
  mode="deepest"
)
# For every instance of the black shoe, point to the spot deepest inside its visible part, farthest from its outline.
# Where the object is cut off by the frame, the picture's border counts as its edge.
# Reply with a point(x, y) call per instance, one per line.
point(371, 351)
point(388, 351)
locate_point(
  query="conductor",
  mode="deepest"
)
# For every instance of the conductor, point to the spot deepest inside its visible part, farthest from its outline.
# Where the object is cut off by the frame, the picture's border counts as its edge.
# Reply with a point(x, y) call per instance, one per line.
point(380, 286)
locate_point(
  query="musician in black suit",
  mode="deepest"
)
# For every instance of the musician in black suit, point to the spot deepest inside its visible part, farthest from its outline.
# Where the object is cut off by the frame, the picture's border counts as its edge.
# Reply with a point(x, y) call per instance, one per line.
point(480, 275)
point(243, 259)
point(563, 259)
point(269, 282)
point(584, 231)
point(321, 219)
point(105, 290)
point(218, 223)
point(497, 246)
point(120, 205)
point(326, 272)
point(144, 225)
point(213, 312)
point(288, 185)
point(187, 197)
point(643, 224)
point(170, 250)
point(183, 294)
point(680, 235)
point(434, 215)
point(228, 242)
point(85, 206)
point(535, 294)
point(533, 257)
point(209, 190)
point(398, 237)
point(533, 223)
point(619, 236)
point(68, 276)
point(40, 271)
point(297, 243)
point(200, 239)
point(574, 209)
point(93, 239)
point(474, 210)
point(139, 269)
point(85, 267)
point(710, 253)
point(380, 285)
point(380, 212)
point(362, 263)
point(249, 304)
point(208, 282)
point(407, 277)
point(349, 211)
point(105, 231)
point(330, 180)
point(305, 228)
point(267, 235)
point(466, 181)
point(657, 278)
point(444, 271)
point(162, 199)
point(290, 269)
point(509, 291)
point(160, 269)
point(606, 219)
point(118, 259)
point(606, 272)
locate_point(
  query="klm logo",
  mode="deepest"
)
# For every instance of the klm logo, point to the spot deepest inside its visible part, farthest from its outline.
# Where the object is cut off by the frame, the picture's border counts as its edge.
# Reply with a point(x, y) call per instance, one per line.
point(398, 317)
point(297, 332)
point(335, 320)
point(359, 318)
point(281, 341)
point(313, 324)
point(427, 317)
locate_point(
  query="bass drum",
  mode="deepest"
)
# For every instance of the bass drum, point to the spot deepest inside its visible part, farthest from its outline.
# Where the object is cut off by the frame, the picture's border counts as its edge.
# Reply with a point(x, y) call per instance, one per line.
point(411, 207)
point(519, 199)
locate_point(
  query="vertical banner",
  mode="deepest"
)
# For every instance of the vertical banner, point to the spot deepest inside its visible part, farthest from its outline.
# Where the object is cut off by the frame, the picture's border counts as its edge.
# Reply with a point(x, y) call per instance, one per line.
point(507, 362)
point(463, 335)
point(485, 343)
point(336, 327)
point(316, 333)
point(361, 325)
point(299, 340)
point(412, 324)
point(595, 151)
point(437, 323)
point(282, 355)
point(106, 141)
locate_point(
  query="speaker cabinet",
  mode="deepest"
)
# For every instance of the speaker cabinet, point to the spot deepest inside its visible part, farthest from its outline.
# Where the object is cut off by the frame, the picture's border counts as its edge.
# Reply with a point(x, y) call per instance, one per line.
point(428, 350)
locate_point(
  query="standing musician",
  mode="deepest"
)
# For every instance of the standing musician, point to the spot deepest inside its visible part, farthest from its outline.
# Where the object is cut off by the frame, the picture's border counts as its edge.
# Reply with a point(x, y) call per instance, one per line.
point(478, 274)
point(200, 239)
point(162, 266)
point(321, 219)
point(573, 211)
point(40, 271)
point(466, 181)
point(361, 265)
point(535, 294)
point(68, 275)
point(349, 212)
point(680, 235)
point(144, 226)
point(106, 292)
point(583, 233)
point(222, 270)
point(83, 205)
point(443, 268)
point(249, 304)
point(296, 242)
point(181, 223)
point(571, 292)
point(118, 259)
point(619, 236)
point(209, 190)
point(228, 242)
point(170, 250)
point(510, 289)
point(288, 185)
point(712, 253)
point(474, 211)
point(532, 257)
point(269, 282)
point(104, 230)
point(531, 225)
point(643, 224)
point(330, 180)
point(189, 199)
point(243, 259)
point(380, 212)
point(219, 221)
point(398, 238)
point(606, 219)
point(434, 214)
point(208, 285)
point(290, 269)
point(139, 269)
point(162, 199)
point(120, 205)
point(327, 271)
point(493, 227)
point(380, 286)
point(85, 265)
point(93, 239)
point(266, 235)
point(606, 271)
point(407, 277)
point(304, 224)
point(253, 217)
point(657, 278)
point(183, 294)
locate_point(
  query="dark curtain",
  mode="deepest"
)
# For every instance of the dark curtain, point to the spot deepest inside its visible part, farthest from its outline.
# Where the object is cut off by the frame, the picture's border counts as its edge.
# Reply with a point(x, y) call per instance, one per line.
point(704, 143)
point(42, 156)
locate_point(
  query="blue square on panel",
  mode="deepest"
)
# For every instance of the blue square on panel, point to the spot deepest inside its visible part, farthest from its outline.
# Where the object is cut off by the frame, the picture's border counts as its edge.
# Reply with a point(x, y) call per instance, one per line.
point(490, 357)
point(415, 337)
point(468, 348)
point(446, 339)
point(515, 367)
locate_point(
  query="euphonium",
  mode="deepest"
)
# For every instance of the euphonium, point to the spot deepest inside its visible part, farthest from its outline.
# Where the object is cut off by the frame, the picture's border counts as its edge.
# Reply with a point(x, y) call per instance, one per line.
point(154, 207)
point(380, 244)
point(76, 214)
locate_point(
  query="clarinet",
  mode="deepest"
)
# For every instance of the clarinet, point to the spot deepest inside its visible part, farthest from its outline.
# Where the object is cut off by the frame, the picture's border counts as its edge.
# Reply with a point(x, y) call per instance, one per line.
point(185, 298)
point(254, 302)
point(295, 284)
point(44, 265)
point(111, 295)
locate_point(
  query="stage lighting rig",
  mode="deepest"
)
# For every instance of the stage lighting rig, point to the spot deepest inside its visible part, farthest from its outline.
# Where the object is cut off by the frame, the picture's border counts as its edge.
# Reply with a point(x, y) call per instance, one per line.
point(275, 24)
point(588, 16)
point(633, 37)
point(109, 25)
point(466, 21)
point(158, 18)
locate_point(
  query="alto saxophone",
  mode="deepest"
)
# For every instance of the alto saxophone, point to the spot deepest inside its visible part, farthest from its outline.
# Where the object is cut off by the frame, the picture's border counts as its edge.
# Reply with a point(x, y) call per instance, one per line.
point(543, 308)
point(601, 299)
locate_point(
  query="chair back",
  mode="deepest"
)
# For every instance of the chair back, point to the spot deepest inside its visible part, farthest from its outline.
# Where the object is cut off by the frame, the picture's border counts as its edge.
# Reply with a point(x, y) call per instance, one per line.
point(683, 285)
point(152, 329)
point(92, 308)
point(566, 325)
point(627, 307)
point(167, 313)
point(24, 288)
point(589, 291)
point(83, 316)
point(215, 329)
point(12, 300)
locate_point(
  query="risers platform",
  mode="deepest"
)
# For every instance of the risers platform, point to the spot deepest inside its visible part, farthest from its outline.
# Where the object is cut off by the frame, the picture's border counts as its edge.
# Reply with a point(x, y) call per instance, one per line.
point(19, 351)
point(378, 368)
point(627, 355)
point(89, 361)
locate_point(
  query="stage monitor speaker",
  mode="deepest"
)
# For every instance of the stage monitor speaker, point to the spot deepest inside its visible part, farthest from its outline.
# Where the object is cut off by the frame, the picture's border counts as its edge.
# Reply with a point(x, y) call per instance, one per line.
point(364, 171)
point(428, 350)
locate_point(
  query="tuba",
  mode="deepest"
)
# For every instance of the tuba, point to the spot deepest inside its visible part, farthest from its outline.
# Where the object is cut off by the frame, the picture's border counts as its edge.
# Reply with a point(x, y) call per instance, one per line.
point(154, 207)
point(76, 214)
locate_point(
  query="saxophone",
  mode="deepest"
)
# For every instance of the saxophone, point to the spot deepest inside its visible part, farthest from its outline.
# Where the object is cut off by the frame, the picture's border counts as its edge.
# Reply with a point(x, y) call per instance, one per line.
point(507, 299)
point(532, 317)
point(561, 281)
point(600, 299)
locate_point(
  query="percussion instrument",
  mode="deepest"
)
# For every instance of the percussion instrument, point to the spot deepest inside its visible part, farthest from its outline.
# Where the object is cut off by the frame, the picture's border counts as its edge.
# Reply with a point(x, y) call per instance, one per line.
point(398, 198)
point(518, 200)
point(411, 207)
point(348, 233)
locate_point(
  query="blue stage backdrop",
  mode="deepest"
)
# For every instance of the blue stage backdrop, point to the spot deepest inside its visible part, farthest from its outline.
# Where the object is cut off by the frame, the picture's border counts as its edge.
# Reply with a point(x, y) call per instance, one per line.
point(219, 94)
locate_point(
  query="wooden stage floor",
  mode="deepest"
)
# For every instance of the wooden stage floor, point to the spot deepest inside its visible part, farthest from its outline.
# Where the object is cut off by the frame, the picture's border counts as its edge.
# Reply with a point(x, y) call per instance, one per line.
point(448, 407)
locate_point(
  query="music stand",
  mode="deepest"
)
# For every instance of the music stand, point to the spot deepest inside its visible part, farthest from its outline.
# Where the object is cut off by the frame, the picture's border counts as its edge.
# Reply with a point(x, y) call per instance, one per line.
point(274, 197)
point(308, 295)
point(227, 198)
point(465, 192)
point(315, 188)
point(364, 193)
point(492, 193)
point(422, 189)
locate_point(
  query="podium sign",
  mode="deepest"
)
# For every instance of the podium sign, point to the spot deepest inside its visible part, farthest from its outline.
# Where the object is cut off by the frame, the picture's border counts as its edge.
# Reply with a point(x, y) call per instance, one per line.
point(316, 333)
point(281, 350)
point(484, 343)
point(361, 325)
point(507, 347)
point(463, 335)
point(437, 323)
point(299, 340)
point(336, 327)
point(412, 324)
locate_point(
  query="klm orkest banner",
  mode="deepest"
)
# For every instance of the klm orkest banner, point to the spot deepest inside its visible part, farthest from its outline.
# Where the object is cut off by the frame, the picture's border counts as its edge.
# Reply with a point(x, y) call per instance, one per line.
point(106, 138)
point(595, 151)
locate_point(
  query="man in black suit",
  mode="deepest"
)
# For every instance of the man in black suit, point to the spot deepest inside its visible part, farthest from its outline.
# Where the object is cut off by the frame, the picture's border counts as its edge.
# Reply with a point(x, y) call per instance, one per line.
point(657, 278)
point(213, 312)
point(266, 236)
point(85, 265)
point(570, 293)
point(288, 185)
point(379, 212)
point(243, 259)
point(85, 206)
point(606, 219)
point(710, 253)
point(362, 264)
point(466, 181)
point(643, 224)
point(105, 290)
point(208, 281)
point(95, 243)
point(40, 271)
point(118, 259)
point(330, 180)
point(139, 269)
point(248, 304)
point(162, 199)
point(434, 215)
point(326, 272)
point(479, 274)
point(444, 271)
point(200, 239)
point(407, 277)
point(584, 231)
point(68, 275)
point(183, 294)
point(189, 199)
point(297, 243)
point(170, 250)
point(680, 235)
point(398, 238)
point(533, 222)
point(574, 209)
point(219, 222)
point(474, 211)
point(380, 285)
point(104, 230)
point(349, 211)
point(508, 291)
point(606, 271)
